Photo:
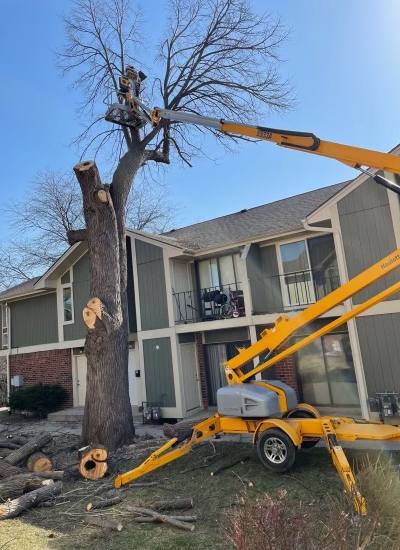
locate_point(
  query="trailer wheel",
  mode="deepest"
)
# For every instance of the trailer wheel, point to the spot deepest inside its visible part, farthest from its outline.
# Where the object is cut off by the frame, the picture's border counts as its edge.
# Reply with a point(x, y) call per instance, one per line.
point(276, 450)
point(303, 413)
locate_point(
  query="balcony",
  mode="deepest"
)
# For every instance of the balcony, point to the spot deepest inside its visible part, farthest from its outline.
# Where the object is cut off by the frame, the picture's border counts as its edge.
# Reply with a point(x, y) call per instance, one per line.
point(302, 288)
point(209, 304)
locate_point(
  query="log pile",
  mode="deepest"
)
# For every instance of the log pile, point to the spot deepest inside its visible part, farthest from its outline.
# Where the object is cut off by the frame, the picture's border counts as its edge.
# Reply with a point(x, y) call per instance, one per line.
point(27, 479)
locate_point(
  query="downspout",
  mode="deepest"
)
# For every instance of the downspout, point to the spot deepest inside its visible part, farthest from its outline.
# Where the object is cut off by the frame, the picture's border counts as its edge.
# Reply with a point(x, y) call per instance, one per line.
point(8, 320)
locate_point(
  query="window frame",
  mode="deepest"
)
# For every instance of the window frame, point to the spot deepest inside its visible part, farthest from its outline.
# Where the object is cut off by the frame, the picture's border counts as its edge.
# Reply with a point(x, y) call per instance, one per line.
point(5, 329)
point(282, 274)
point(63, 287)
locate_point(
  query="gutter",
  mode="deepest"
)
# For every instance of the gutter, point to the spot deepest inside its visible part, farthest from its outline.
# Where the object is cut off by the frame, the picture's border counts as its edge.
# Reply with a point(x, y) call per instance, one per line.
point(315, 228)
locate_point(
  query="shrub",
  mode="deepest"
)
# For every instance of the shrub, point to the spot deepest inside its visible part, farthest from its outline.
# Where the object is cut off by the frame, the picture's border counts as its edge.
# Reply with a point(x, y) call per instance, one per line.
point(39, 399)
point(275, 522)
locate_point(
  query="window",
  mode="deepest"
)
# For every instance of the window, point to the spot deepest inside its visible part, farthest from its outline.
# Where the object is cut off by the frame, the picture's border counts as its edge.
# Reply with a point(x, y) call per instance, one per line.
point(67, 298)
point(309, 270)
point(216, 272)
point(4, 327)
point(297, 281)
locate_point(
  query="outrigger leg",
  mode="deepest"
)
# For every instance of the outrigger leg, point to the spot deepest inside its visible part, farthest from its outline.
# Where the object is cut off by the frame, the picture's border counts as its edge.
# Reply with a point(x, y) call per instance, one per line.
point(343, 467)
point(200, 432)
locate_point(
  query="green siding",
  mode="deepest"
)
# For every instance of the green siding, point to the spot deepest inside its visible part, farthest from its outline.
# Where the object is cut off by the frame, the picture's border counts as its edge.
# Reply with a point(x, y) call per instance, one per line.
point(368, 234)
point(81, 294)
point(130, 288)
point(380, 348)
point(152, 290)
point(34, 321)
point(262, 269)
point(160, 387)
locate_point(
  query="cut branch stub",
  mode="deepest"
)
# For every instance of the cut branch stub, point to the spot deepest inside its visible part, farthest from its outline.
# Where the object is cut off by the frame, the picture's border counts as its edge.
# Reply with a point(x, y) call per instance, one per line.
point(102, 196)
point(92, 311)
point(76, 236)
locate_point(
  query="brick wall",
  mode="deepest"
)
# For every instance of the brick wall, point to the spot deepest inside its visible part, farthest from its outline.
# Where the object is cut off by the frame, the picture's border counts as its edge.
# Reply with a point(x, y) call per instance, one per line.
point(47, 367)
point(202, 370)
point(286, 372)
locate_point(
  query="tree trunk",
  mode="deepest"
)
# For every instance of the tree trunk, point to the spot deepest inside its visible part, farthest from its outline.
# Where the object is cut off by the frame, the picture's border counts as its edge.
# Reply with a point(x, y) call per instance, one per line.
point(108, 414)
point(39, 462)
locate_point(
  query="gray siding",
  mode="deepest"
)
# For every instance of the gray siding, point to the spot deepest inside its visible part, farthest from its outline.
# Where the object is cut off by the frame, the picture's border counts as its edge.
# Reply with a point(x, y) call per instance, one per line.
point(368, 234)
point(34, 321)
point(81, 294)
point(152, 290)
point(380, 350)
point(262, 269)
point(160, 387)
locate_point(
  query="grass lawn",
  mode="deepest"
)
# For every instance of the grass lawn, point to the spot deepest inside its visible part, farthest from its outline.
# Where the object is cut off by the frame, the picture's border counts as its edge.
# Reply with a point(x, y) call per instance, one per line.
point(312, 483)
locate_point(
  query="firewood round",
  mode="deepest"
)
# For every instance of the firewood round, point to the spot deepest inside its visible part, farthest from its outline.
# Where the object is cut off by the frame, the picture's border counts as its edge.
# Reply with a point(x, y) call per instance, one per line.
point(39, 462)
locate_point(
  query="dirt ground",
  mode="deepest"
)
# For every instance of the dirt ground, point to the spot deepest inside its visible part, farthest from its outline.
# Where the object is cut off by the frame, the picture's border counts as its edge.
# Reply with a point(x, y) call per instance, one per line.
point(312, 483)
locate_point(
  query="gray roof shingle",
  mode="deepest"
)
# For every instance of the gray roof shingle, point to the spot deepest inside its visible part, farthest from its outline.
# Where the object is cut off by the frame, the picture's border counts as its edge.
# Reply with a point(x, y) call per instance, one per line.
point(267, 220)
point(22, 288)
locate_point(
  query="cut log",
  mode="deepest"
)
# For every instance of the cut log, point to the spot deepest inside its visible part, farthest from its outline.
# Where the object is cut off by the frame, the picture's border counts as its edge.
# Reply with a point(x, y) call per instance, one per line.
point(18, 439)
point(16, 486)
point(105, 503)
point(182, 430)
point(39, 462)
point(177, 504)
point(161, 517)
point(56, 474)
point(29, 448)
point(92, 464)
point(15, 507)
point(8, 444)
point(148, 519)
point(104, 523)
point(5, 452)
point(7, 470)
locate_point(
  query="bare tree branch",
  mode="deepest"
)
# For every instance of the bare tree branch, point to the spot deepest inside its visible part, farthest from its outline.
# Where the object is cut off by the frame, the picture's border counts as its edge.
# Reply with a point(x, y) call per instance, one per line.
point(50, 217)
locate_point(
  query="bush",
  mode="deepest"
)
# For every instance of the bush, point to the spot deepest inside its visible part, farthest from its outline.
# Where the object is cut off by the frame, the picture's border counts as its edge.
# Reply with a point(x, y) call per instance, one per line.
point(39, 399)
point(275, 522)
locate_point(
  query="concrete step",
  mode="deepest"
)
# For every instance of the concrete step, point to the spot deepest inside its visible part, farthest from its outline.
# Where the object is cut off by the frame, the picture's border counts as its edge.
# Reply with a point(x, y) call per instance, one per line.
point(75, 414)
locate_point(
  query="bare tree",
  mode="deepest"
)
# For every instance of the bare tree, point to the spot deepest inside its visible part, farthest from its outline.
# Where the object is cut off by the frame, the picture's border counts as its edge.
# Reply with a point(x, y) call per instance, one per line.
point(52, 208)
point(217, 58)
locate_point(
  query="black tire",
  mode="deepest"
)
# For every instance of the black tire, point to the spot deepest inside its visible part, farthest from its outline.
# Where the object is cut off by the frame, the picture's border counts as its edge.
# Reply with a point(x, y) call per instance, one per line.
point(303, 413)
point(276, 450)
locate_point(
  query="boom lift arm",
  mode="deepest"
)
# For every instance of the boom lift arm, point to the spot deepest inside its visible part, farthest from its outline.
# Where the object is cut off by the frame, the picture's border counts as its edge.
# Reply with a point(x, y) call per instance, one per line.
point(307, 424)
point(356, 157)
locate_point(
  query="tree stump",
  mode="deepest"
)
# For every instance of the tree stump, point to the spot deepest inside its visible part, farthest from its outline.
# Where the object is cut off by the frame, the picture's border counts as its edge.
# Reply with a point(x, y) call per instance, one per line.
point(92, 462)
point(39, 462)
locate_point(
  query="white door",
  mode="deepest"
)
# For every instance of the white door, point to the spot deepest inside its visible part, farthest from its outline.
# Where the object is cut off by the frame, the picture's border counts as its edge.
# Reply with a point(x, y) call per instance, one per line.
point(80, 379)
point(133, 380)
point(190, 375)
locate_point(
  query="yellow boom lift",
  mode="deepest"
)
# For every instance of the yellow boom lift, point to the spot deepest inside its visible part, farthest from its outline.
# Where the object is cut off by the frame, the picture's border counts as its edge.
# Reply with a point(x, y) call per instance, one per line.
point(268, 410)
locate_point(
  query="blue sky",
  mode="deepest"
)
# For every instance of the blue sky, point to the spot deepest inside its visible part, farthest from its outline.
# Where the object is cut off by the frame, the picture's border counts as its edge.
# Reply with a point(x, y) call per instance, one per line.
point(341, 58)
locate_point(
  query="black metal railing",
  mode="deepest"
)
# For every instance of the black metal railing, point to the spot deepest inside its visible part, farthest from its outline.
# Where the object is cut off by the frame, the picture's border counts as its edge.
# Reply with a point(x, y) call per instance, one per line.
point(209, 304)
point(301, 288)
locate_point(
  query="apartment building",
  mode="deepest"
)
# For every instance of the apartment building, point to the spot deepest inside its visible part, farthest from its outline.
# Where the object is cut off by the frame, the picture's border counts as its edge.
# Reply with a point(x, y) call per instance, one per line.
point(197, 293)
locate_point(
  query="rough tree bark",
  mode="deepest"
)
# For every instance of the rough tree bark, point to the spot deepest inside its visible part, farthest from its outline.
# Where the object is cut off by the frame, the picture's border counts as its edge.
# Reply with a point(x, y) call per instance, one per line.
point(107, 420)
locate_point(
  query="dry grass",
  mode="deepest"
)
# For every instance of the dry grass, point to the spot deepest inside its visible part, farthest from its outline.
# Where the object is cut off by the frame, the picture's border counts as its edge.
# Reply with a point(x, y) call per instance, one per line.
point(272, 522)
